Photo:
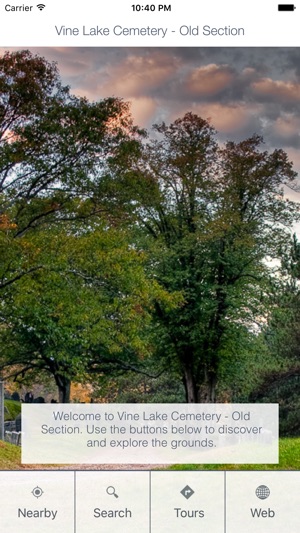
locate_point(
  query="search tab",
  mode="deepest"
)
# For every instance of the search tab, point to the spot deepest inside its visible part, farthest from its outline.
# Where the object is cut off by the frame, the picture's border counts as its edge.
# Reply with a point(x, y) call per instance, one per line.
point(117, 503)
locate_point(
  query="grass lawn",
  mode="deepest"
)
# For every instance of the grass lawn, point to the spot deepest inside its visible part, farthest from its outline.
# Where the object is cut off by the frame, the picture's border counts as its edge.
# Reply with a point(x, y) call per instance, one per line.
point(289, 452)
point(10, 456)
point(289, 459)
point(11, 409)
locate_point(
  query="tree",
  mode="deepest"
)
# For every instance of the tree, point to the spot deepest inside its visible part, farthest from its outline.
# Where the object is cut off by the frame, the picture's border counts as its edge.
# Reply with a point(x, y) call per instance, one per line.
point(211, 216)
point(134, 387)
point(52, 147)
point(282, 332)
point(280, 383)
point(84, 313)
point(63, 310)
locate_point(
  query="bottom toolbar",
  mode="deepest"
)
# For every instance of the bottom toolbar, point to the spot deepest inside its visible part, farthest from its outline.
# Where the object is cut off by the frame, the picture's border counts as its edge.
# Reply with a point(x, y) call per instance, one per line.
point(150, 502)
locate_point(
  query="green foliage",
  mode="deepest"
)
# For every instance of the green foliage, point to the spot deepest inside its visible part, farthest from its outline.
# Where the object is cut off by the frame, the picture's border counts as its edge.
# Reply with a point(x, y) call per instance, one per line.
point(243, 364)
point(11, 409)
point(118, 252)
point(281, 384)
point(133, 387)
point(68, 281)
point(283, 387)
point(84, 311)
point(53, 148)
point(209, 218)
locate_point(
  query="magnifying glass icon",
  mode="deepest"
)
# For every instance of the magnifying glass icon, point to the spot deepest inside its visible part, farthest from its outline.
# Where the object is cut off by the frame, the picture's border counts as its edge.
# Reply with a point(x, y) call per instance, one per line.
point(112, 492)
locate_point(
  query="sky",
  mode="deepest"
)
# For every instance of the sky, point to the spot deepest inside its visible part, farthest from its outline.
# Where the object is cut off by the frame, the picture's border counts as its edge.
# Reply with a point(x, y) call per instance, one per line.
point(240, 90)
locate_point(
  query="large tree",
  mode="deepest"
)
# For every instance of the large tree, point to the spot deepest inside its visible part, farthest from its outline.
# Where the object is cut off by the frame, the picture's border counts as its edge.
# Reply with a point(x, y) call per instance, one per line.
point(211, 216)
point(84, 313)
point(281, 382)
point(53, 152)
point(52, 147)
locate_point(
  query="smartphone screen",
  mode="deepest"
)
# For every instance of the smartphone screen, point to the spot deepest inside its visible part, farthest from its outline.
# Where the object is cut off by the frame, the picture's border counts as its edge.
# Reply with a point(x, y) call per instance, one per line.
point(149, 267)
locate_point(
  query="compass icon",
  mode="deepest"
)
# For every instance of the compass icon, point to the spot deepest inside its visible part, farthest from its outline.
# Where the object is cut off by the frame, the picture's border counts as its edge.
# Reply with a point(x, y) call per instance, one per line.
point(37, 492)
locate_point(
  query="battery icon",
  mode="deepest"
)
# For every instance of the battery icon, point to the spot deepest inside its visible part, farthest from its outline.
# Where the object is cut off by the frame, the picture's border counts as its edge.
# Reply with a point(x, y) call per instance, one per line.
point(286, 7)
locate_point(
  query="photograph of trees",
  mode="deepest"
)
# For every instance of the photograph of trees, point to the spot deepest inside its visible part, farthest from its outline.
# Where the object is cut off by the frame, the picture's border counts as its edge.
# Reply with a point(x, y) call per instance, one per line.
point(150, 263)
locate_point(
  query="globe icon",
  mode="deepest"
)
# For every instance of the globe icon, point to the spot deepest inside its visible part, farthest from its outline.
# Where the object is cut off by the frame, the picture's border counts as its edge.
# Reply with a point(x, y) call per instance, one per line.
point(262, 492)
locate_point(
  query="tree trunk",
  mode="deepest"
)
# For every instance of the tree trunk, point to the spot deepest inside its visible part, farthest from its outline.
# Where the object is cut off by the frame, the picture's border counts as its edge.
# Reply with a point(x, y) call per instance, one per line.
point(64, 389)
point(212, 385)
point(191, 390)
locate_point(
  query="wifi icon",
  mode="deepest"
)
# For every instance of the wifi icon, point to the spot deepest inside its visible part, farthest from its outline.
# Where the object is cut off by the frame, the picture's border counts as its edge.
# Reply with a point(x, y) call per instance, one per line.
point(41, 6)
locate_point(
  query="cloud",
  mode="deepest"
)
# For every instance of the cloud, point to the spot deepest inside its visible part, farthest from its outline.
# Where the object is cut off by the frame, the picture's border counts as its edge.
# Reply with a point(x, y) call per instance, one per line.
point(242, 90)
point(285, 131)
point(283, 92)
point(140, 75)
point(143, 110)
point(209, 80)
point(294, 157)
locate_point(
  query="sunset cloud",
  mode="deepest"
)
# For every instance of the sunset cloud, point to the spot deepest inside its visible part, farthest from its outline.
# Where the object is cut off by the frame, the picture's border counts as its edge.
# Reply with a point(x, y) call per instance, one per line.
point(209, 80)
point(227, 119)
point(241, 90)
point(140, 75)
point(284, 92)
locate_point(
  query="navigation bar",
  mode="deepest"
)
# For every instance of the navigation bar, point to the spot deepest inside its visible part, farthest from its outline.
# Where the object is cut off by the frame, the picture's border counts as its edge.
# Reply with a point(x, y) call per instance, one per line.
point(150, 502)
point(172, 23)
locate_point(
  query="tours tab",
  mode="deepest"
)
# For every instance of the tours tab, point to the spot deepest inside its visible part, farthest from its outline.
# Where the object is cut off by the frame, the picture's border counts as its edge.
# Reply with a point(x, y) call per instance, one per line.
point(192, 501)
